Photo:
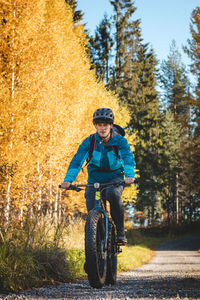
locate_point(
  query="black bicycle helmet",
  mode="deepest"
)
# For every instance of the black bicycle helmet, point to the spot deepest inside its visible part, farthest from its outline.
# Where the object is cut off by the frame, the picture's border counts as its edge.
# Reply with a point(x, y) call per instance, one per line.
point(103, 115)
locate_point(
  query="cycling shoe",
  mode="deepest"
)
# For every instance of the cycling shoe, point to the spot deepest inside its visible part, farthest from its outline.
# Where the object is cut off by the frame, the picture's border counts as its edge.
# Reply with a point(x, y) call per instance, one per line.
point(121, 240)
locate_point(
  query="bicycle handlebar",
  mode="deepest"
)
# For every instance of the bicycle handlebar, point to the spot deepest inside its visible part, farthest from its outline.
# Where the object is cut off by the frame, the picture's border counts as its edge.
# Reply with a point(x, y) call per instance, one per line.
point(79, 187)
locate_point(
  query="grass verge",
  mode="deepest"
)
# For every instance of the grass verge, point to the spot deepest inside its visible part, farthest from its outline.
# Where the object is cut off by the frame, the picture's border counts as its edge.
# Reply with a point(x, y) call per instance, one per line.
point(131, 257)
point(23, 268)
point(30, 258)
point(134, 256)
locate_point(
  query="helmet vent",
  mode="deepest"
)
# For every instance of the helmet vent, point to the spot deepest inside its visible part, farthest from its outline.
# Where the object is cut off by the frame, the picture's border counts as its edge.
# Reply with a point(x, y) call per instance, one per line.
point(104, 115)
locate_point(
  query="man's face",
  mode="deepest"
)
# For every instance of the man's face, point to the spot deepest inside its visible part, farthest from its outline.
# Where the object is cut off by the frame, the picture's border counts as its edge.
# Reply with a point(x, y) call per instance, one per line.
point(103, 129)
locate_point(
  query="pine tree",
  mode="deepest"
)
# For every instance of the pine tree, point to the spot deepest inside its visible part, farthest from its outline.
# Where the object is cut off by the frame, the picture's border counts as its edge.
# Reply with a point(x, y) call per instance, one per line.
point(100, 50)
point(193, 52)
point(176, 95)
point(133, 78)
point(176, 86)
point(170, 163)
point(127, 41)
point(193, 154)
point(143, 104)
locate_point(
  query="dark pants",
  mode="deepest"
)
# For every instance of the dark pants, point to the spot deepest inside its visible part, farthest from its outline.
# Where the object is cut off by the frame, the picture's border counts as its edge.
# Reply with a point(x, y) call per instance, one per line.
point(113, 195)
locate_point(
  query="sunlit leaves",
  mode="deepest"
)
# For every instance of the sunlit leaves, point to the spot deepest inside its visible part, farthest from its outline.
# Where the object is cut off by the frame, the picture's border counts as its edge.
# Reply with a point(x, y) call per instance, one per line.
point(48, 95)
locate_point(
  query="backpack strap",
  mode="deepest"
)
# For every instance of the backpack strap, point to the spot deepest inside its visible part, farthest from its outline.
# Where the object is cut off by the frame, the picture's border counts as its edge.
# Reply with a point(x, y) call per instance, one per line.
point(92, 147)
point(91, 150)
point(115, 150)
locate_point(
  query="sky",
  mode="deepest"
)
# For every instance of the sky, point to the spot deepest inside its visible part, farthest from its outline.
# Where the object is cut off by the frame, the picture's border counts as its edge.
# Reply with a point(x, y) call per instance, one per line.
point(161, 21)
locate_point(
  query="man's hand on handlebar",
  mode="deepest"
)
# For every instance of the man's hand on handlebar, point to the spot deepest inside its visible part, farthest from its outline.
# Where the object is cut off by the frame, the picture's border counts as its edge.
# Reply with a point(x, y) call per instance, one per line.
point(65, 185)
point(129, 180)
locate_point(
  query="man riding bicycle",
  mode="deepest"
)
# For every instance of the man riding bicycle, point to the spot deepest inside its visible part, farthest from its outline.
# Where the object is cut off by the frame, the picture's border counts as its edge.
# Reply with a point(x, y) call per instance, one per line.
point(109, 160)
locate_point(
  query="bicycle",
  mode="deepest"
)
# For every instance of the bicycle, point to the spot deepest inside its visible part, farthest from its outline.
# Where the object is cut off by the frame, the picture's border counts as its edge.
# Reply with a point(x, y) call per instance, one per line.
point(101, 248)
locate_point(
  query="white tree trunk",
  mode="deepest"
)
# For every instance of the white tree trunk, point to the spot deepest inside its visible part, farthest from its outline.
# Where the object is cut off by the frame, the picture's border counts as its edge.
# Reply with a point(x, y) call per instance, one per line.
point(56, 206)
point(40, 188)
point(7, 212)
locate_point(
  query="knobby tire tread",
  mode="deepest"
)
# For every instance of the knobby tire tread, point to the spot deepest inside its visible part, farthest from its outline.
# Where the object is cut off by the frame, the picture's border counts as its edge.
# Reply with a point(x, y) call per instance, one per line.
point(93, 229)
point(111, 275)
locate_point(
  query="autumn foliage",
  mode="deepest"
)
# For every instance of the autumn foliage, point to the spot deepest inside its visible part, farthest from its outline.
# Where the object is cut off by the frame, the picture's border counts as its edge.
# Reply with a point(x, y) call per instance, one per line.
point(48, 95)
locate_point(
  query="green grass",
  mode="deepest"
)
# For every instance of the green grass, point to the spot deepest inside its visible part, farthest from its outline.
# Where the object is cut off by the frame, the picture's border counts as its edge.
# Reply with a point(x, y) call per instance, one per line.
point(134, 256)
point(35, 254)
point(24, 266)
point(43, 253)
point(76, 260)
point(131, 257)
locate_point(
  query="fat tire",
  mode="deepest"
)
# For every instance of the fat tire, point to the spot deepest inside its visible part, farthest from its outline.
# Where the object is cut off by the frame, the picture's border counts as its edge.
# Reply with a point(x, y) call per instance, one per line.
point(94, 240)
point(111, 274)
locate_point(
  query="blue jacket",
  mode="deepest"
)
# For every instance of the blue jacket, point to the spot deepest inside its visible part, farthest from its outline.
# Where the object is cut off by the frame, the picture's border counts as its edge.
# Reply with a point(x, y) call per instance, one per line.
point(104, 164)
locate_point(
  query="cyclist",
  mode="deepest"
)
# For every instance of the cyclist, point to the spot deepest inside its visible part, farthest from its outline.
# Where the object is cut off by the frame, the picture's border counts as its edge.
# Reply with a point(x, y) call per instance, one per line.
point(105, 165)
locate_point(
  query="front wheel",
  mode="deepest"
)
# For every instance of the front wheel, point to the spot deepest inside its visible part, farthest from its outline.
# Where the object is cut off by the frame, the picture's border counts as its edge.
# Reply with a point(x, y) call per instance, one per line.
point(96, 255)
point(111, 275)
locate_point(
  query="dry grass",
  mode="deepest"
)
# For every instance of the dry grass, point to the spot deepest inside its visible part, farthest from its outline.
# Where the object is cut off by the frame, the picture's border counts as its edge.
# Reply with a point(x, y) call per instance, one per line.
point(74, 239)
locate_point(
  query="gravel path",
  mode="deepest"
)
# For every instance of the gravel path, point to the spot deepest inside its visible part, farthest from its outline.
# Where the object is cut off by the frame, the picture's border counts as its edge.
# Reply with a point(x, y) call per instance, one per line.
point(174, 273)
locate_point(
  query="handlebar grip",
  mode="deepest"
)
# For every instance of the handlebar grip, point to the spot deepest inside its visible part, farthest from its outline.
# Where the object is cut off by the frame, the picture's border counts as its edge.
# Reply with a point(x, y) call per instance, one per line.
point(72, 187)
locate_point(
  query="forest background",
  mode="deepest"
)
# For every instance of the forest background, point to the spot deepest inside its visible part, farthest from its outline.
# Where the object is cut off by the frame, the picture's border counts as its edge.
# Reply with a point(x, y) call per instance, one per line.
point(53, 76)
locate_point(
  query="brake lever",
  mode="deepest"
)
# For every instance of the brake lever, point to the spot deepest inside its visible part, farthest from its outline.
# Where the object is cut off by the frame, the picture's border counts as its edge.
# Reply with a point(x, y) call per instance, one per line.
point(75, 188)
point(72, 188)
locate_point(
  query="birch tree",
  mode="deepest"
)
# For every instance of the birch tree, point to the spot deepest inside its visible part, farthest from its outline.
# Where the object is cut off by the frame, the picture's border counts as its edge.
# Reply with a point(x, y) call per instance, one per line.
point(54, 98)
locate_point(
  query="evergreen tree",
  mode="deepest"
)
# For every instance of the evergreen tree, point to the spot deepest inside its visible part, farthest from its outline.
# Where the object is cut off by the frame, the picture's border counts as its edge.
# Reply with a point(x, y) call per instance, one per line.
point(176, 95)
point(133, 78)
point(189, 181)
point(193, 51)
point(176, 86)
point(170, 135)
point(127, 41)
point(100, 49)
point(143, 104)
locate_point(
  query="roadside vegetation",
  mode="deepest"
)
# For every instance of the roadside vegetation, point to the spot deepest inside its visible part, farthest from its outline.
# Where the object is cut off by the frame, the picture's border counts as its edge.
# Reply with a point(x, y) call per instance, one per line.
point(47, 253)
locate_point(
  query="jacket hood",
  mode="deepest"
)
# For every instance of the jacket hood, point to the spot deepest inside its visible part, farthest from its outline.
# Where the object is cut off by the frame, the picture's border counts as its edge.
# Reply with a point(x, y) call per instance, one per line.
point(117, 130)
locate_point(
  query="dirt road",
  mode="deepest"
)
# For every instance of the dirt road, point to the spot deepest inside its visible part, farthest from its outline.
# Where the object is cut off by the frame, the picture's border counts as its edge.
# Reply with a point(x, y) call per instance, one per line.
point(174, 273)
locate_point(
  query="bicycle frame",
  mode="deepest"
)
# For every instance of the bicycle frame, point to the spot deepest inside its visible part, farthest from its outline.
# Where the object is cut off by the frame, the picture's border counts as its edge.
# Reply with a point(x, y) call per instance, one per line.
point(98, 200)
point(101, 248)
point(98, 206)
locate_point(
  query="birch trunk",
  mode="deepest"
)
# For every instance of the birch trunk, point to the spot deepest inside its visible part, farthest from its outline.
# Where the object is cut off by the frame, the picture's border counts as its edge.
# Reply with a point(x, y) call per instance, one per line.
point(7, 212)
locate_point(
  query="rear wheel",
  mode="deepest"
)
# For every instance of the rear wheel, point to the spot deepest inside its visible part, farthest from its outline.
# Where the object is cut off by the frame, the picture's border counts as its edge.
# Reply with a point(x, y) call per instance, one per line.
point(111, 274)
point(96, 256)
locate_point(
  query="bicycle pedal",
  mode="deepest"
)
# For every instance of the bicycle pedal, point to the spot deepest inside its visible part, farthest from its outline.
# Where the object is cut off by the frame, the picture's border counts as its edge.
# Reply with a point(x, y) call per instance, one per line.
point(121, 243)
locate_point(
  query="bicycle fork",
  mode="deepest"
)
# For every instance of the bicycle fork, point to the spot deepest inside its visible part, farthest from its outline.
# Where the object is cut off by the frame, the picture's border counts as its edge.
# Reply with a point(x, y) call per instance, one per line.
point(99, 208)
